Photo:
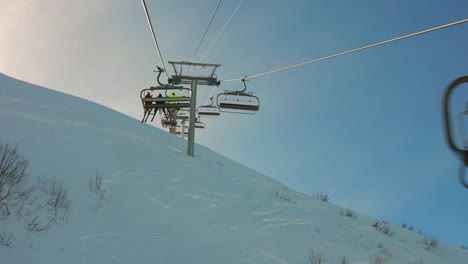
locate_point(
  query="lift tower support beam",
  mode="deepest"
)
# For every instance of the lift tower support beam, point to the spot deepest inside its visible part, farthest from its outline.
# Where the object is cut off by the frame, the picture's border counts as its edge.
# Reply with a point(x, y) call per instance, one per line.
point(181, 76)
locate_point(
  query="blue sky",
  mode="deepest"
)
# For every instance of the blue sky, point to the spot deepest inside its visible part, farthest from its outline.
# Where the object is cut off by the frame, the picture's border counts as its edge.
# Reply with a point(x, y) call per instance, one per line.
point(365, 127)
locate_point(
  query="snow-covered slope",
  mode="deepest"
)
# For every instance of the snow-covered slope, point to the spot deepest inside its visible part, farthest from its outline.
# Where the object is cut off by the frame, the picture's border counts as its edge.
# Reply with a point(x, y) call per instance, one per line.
point(162, 206)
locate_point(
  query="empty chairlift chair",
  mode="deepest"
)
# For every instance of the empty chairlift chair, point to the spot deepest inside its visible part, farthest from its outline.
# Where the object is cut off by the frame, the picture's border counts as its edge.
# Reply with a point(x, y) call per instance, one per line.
point(199, 124)
point(238, 102)
point(208, 110)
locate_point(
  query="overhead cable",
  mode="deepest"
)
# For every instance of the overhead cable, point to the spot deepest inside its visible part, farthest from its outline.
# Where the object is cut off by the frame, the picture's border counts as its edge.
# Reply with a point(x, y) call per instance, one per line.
point(216, 39)
point(353, 50)
point(206, 30)
point(154, 35)
point(222, 29)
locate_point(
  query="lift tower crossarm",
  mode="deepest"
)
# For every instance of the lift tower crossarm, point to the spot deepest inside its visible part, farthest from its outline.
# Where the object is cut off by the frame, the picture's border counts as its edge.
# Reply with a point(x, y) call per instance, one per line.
point(208, 79)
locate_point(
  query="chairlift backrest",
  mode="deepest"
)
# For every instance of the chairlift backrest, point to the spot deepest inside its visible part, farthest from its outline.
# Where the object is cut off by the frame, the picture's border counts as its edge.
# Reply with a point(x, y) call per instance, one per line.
point(176, 102)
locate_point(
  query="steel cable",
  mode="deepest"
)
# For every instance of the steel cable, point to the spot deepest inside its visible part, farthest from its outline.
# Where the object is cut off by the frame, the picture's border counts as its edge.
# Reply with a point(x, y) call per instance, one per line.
point(222, 30)
point(206, 30)
point(154, 36)
point(353, 50)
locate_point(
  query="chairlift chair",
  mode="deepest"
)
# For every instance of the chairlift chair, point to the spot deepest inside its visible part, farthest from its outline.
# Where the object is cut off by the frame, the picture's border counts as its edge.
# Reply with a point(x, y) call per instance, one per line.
point(238, 102)
point(183, 114)
point(166, 101)
point(179, 133)
point(199, 124)
point(208, 110)
point(460, 153)
point(168, 122)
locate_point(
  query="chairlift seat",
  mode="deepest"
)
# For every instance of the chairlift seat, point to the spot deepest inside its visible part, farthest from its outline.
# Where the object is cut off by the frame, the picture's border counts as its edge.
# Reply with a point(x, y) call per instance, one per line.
point(239, 106)
point(163, 102)
point(203, 113)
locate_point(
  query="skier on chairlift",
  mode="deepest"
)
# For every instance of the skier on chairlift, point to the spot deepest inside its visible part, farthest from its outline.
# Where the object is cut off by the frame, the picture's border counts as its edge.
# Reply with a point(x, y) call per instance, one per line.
point(172, 111)
point(148, 95)
point(146, 111)
point(161, 108)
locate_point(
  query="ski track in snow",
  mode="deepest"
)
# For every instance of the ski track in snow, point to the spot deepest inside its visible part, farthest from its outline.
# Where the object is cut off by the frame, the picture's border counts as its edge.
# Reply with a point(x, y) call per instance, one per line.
point(124, 235)
point(177, 150)
point(212, 193)
point(82, 124)
point(263, 212)
point(11, 99)
point(283, 222)
point(33, 117)
point(263, 253)
point(121, 174)
point(64, 136)
point(151, 198)
point(194, 196)
point(230, 203)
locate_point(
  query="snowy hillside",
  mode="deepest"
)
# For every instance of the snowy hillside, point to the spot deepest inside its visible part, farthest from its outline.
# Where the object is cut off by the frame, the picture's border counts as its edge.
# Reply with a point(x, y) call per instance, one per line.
point(161, 206)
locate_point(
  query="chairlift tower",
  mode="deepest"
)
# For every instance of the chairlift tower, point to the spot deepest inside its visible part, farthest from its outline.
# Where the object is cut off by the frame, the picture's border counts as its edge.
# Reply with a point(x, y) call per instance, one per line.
point(182, 76)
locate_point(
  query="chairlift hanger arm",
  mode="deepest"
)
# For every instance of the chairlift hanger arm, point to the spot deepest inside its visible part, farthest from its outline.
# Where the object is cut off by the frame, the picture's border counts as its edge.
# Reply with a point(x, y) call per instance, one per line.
point(160, 70)
point(243, 82)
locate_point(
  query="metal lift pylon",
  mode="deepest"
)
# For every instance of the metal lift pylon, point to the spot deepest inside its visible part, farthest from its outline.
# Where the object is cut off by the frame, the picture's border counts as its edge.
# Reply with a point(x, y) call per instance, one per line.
point(182, 76)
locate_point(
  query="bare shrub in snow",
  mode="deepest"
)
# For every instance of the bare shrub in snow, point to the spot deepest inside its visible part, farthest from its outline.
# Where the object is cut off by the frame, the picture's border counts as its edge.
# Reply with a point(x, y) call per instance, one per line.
point(430, 242)
point(406, 226)
point(95, 187)
point(283, 197)
point(51, 206)
point(35, 207)
point(37, 222)
point(14, 189)
point(348, 213)
point(383, 227)
point(379, 259)
point(322, 196)
point(344, 261)
point(316, 258)
point(57, 201)
point(6, 238)
point(95, 183)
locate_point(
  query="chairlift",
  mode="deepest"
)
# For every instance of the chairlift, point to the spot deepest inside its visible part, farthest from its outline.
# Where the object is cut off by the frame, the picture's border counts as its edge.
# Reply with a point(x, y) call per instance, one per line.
point(165, 100)
point(179, 133)
point(461, 153)
point(238, 102)
point(183, 114)
point(167, 122)
point(177, 130)
point(208, 110)
point(199, 124)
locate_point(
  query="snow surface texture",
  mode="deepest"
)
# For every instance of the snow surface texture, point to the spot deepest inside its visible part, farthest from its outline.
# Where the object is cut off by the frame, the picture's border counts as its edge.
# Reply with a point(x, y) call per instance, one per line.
point(162, 206)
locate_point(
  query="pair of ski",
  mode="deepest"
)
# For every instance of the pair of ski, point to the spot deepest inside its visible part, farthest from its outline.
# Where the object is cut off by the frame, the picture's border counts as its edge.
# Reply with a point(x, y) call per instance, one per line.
point(148, 113)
